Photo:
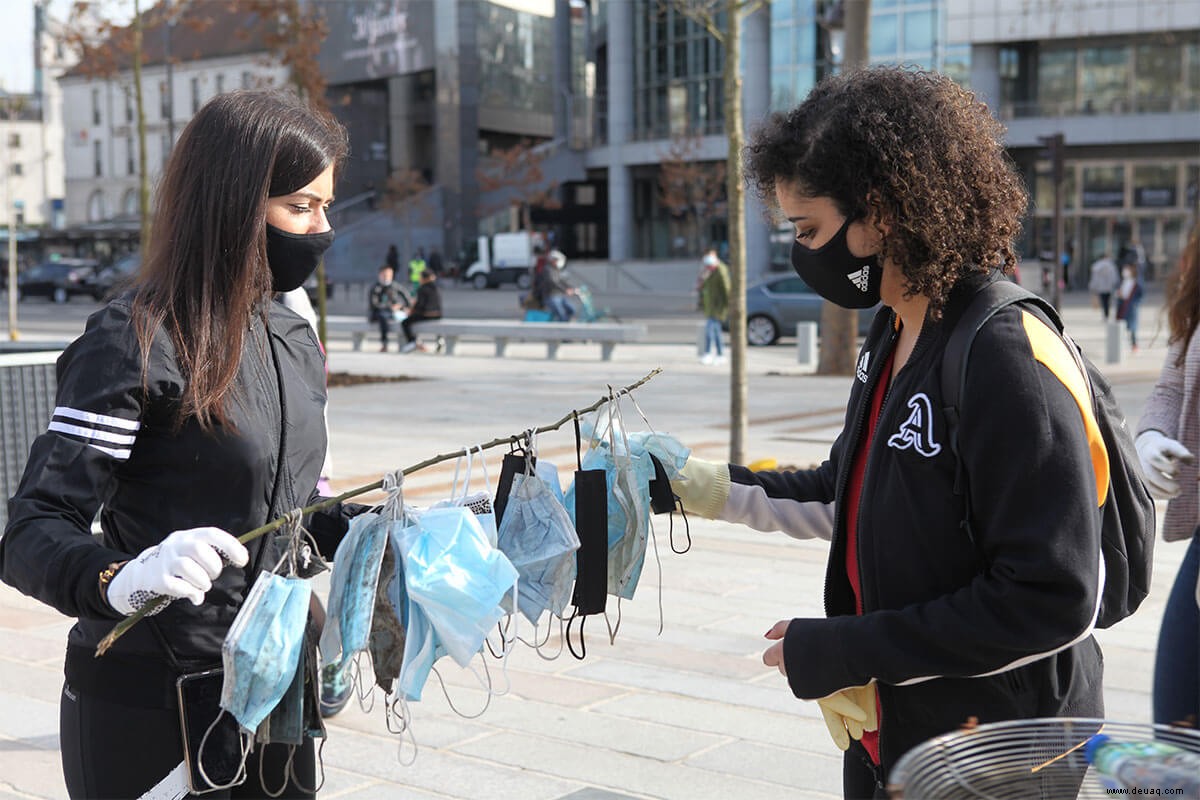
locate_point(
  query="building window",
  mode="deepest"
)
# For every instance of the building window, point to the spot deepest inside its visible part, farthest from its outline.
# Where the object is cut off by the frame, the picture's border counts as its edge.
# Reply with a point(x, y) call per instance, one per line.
point(15, 168)
point(96, 210)
point(95, 106)
point(129, 166)
point(195, 95)
point(247, 80)
point(1056, 81)
point(128, 104)
point(129, 203)
point(1158, 76)
point(1104, 80)
point(1155, 185)
point(14, 140)
point(97, 164)
point(1104, 187)
point(165, 145)
point(164, 96)
point(885, 36)
point(677, 74)
point(220, 83)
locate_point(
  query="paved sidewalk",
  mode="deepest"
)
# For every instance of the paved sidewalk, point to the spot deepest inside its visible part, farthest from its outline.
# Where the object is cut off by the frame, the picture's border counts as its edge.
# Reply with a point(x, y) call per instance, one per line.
point(688, 713)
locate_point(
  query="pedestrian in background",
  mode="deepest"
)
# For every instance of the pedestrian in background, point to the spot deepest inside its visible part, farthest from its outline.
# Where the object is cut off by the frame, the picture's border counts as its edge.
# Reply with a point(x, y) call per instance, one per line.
point(714, 303)
point(427, 305)
point(1129, 302)
point(393, 258)
point(386, 304)
point(1168, 436)
point(1103, 282)
point(416, 266)
point(170, 408)
point(930, 623)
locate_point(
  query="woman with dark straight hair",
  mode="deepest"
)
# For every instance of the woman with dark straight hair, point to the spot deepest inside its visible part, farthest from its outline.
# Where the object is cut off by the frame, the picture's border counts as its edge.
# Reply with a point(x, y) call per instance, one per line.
point(1168, 438)
point(189, 411)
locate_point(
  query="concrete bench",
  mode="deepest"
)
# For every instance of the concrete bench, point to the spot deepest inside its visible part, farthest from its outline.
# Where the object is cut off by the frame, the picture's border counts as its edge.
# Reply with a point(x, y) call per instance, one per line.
point(502, 331)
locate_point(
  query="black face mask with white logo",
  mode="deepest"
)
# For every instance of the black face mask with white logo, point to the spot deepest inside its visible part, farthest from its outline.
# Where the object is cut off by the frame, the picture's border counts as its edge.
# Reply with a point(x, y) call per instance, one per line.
point(838, 275)
point(292, 257)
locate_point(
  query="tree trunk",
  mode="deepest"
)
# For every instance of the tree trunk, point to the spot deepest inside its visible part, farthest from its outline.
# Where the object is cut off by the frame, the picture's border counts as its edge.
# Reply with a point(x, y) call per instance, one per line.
point(738, 412)
point(143, 176)
point(839, 326)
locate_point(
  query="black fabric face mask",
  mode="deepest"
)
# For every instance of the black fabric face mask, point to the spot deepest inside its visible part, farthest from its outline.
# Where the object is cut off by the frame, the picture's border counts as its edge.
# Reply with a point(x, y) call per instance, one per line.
point(292, 257)
point(838, 275)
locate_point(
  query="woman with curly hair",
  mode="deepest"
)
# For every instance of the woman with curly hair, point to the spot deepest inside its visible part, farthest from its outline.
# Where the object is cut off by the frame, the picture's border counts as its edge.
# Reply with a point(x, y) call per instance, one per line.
point(1168, 435)
point(900, 190)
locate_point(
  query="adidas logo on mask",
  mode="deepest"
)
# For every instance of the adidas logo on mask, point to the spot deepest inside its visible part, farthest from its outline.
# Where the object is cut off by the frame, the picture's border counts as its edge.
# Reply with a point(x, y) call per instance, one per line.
point(860, 278)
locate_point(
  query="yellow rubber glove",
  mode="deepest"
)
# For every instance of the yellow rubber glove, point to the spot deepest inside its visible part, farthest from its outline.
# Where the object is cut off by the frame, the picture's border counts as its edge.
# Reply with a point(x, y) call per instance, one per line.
point(702, 487)
point(850, 712)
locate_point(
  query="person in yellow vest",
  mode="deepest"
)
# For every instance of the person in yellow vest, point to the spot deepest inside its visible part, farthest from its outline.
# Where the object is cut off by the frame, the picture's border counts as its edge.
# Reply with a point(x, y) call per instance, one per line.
point(415, 267)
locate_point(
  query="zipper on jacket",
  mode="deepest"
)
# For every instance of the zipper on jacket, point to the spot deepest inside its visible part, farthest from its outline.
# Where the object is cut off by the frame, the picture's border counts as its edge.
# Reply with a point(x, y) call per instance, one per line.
point(888, 342)
point(920, 345)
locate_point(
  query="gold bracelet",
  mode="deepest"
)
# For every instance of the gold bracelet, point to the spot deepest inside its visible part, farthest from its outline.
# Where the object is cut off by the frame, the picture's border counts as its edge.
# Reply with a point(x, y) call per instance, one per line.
point(106, 576)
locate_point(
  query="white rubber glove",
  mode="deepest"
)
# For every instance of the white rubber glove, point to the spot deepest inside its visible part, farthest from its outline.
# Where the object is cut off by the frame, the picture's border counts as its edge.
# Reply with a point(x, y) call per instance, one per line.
point(702, 487)
point(183, 565)
point(1160, 457)
point(850, 712)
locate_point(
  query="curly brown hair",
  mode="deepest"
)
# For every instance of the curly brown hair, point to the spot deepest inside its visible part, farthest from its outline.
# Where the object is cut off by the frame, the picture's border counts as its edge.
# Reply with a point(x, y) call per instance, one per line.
point(1183, 309)
point(924, 152)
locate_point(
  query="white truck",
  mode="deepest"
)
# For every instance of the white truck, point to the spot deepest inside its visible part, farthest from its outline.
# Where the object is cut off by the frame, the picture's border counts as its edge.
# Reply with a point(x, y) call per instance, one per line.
point(503, 258)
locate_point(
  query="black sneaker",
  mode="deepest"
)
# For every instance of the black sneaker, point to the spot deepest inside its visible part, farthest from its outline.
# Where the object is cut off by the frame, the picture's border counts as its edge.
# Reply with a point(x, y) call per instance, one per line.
point(335, 691)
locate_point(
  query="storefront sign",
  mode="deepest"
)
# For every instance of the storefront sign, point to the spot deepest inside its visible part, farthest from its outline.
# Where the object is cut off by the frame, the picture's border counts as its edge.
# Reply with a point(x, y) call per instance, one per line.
point(1103, 198)
point(1154, 197)
point(370, 39)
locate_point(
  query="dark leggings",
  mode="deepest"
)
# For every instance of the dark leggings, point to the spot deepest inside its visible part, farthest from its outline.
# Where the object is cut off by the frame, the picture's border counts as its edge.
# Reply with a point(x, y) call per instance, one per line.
point(1177, 662)
point(112, 750)
point(408, 323)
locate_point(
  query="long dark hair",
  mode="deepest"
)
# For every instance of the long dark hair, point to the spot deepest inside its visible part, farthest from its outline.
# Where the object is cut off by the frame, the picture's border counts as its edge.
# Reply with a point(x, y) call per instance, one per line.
point(205, 272)
point(1183, 312)
point(926, 152)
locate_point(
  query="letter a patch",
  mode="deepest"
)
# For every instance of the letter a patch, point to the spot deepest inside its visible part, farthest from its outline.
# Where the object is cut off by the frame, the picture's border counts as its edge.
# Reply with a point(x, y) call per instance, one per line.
point(917, 430)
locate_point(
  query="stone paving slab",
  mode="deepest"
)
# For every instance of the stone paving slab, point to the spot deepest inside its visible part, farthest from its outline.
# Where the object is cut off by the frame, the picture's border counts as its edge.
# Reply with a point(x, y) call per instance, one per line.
point(687, 713)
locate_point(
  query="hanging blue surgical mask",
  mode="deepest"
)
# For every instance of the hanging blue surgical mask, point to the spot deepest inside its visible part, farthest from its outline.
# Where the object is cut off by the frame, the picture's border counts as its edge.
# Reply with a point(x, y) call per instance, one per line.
point(537, 536)
point(352, 591)
point(261, 651)
point(457, 578)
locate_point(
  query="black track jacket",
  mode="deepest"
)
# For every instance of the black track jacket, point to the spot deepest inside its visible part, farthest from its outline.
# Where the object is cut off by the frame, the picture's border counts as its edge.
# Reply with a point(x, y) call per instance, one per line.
point(112, 441)
point(998, 627)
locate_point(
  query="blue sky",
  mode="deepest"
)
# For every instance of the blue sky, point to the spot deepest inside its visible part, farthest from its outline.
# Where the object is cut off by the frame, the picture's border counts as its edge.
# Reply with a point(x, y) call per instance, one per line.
point(16, 42)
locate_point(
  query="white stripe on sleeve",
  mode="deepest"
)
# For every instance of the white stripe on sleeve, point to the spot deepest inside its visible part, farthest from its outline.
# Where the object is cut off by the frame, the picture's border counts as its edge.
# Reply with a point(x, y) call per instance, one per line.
point(97, 419)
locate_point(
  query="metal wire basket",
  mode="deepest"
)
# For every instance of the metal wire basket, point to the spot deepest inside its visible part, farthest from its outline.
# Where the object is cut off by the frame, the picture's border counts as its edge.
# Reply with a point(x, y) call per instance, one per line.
point(1032, 758)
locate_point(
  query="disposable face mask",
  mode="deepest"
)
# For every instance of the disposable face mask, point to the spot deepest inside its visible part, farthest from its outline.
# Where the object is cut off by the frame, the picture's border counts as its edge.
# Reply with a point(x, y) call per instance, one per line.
point(629, 474)
point(285, 723)
point(386, 641)
point(548, 473)
point(480, 502)
point(537, 536)
point(456, 577)
point(352, 591)
point(261, 651)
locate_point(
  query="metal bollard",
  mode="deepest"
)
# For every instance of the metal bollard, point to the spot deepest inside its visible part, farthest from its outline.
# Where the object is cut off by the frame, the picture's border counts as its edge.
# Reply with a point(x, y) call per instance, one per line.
point(701, 339)
point(1112, 342)
point(806, 343)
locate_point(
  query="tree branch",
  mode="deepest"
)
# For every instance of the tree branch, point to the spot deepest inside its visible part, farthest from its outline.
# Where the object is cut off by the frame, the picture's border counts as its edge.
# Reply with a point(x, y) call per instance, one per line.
point(153, 605)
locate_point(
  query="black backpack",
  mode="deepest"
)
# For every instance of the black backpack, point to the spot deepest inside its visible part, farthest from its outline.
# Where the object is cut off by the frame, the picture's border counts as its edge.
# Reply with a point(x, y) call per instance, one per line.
point(1127, 521)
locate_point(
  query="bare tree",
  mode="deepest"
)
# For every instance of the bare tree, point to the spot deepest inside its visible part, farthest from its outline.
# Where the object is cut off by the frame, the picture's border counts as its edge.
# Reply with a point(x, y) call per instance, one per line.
point(691, 189)
point(105, 47)
point(516, 175)
point(723, 21)
point(404, 193)
point(839, 326)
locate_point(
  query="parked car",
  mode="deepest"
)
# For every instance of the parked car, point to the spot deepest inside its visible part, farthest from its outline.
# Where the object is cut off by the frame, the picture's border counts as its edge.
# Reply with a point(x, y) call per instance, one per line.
point(774, 306)
point(58, 280)
point(109, 281)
